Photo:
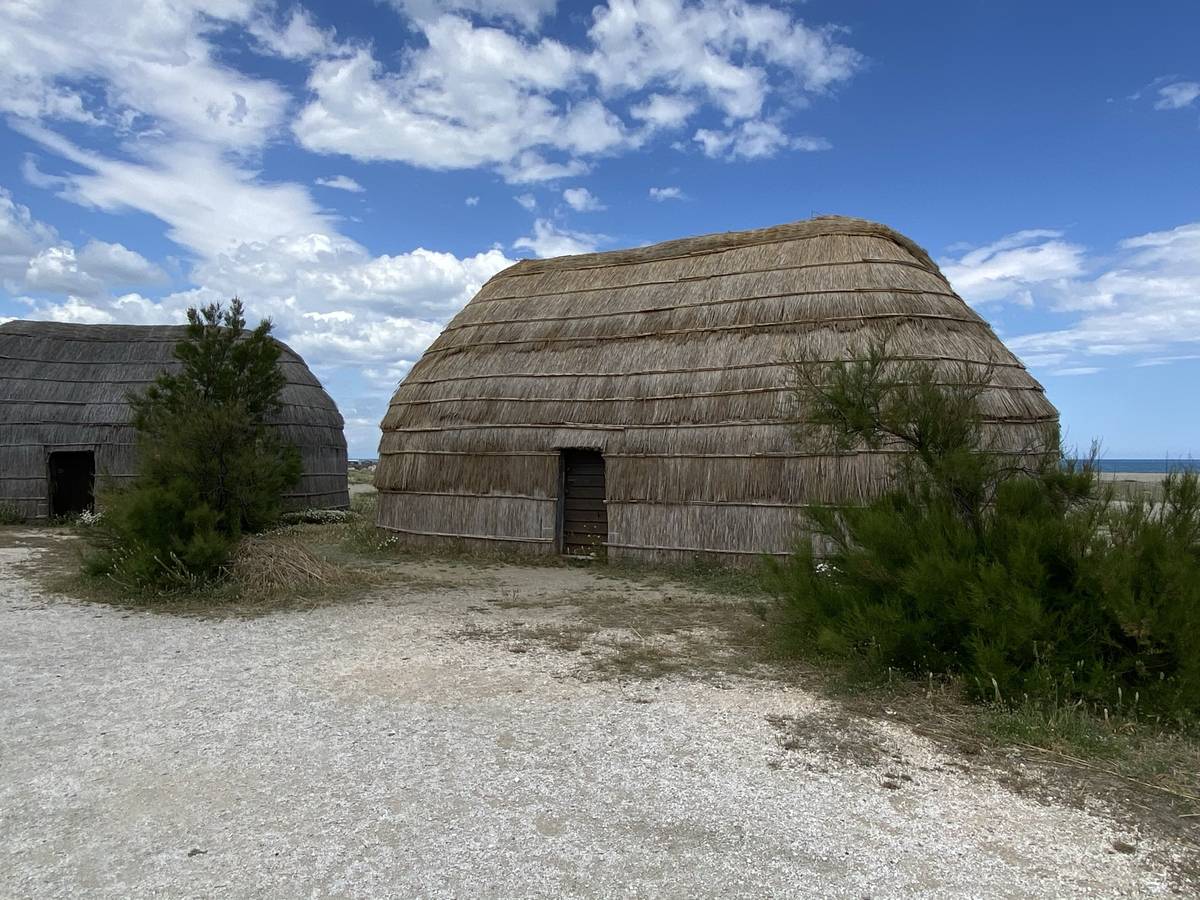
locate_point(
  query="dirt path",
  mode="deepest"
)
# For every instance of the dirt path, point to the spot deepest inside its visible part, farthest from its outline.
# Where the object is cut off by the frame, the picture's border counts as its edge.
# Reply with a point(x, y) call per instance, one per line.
point(486, 731)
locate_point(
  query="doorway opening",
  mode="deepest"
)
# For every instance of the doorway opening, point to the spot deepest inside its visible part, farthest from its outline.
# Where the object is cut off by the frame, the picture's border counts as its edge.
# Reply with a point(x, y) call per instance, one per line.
point(72, 481)
point(584, 520)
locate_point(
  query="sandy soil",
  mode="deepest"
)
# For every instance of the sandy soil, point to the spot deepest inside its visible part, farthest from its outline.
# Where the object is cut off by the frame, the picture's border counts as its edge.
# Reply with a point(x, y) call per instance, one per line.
point(488, 731)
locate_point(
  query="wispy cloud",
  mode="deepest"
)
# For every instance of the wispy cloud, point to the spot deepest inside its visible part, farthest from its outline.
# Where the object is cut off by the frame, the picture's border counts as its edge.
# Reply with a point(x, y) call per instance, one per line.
point(582, 200)
point(754, 140)
point(1177, 95)
point(1136, 301)
point(1015, 267)
point(659, 194)
point(549, 240)
point(341, 183)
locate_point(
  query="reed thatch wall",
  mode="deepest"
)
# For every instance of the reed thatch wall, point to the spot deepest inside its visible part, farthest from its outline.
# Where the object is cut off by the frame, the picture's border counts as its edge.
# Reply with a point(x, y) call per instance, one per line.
point(673, 361)
point(64, 387)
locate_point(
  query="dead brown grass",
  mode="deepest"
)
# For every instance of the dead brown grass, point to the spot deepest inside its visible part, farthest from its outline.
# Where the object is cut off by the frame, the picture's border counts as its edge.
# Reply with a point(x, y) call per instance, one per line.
point(269, 565)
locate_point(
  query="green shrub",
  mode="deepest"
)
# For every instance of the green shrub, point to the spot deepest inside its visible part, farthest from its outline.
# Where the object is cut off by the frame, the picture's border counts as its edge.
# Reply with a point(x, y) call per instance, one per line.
point(1026, 579)
point(10, 515)
point(210, 468)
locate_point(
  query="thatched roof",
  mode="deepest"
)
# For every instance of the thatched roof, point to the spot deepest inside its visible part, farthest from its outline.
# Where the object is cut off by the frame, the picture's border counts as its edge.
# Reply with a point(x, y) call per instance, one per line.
point(67, 385)
point(673, 360)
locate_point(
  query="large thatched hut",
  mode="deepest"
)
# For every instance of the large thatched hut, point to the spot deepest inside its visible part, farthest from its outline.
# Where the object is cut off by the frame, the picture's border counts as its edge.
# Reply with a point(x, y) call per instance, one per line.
point(640, 399)
point(65, 416)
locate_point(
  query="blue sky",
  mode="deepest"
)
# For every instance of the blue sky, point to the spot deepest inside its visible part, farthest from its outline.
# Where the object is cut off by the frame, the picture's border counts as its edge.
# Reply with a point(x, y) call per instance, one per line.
point(356, 170)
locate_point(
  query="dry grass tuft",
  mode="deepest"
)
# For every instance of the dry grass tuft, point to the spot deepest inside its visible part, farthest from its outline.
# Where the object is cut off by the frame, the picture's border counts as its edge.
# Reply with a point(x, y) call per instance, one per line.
point(276, 564)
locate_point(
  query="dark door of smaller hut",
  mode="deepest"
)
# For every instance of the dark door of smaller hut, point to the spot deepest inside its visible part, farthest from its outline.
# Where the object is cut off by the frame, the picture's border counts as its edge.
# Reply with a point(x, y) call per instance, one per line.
point(584, 515)
point(72, 477)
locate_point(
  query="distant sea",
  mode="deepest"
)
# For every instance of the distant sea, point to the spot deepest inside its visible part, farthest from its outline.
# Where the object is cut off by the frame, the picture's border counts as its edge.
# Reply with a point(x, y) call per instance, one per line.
point(1152, 466)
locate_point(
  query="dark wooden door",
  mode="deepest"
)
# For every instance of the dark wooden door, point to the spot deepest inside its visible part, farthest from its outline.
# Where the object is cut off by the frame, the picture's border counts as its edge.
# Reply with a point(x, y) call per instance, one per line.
point(585, 517)
point(72, 477)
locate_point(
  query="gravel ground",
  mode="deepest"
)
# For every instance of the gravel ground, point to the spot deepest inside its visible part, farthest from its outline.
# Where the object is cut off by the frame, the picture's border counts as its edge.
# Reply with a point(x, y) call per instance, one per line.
point(449, 736)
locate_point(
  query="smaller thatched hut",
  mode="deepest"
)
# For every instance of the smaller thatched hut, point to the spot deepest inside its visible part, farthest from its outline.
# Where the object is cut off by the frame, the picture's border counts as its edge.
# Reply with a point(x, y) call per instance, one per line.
point(65, 416)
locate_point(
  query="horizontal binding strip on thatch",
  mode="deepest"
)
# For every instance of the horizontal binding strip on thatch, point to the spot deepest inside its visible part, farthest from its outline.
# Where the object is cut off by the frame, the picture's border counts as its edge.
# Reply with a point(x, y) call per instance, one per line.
point(999, 364)
point(636, 501)
point(781, 454)
point(693, 278)
point(305, 476)
point(718, 355)
point(997, 406)
point(85, 423)
point(472, 537)
point(95, 334)
point(82, 445)
point(689, 277)
point(469, 426)
point(102, 443)
point(294, 364)
point(706, 304)
point(706, 245)
point(296, 373)
point(776, 436)
point(633, 336)
point(472, 452)
point(40, 402)
point(701, 304)
point(1037, 388)
point(489, 494)
point(665, 548)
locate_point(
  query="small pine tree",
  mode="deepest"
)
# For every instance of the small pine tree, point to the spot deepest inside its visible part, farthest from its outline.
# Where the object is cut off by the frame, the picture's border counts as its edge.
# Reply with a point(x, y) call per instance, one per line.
point(1012, 569)
point(210, 467)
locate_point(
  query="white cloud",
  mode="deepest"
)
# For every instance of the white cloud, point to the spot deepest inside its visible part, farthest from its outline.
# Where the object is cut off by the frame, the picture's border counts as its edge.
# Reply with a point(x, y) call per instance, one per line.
point(659, 194)
point(548, 240)
point(1016, 266)
point(722, 52)
point(581, 199)
point(1177, 95)
point(75, 310)
point(753, 140)
point(530, 167)
point(472, 201)
point(340, 307)
point(117, 264)
point(527, 200)
point(1139, 301)
point(534, 108)
point(474, 97)
point(208, 203)
point(1166, 360)
point(21, 236)
point(297, 38)
point(526, 13)
point(665, 110)
point(157, 71)
point(341, 183)
point(56, 270)
point(33, 259)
